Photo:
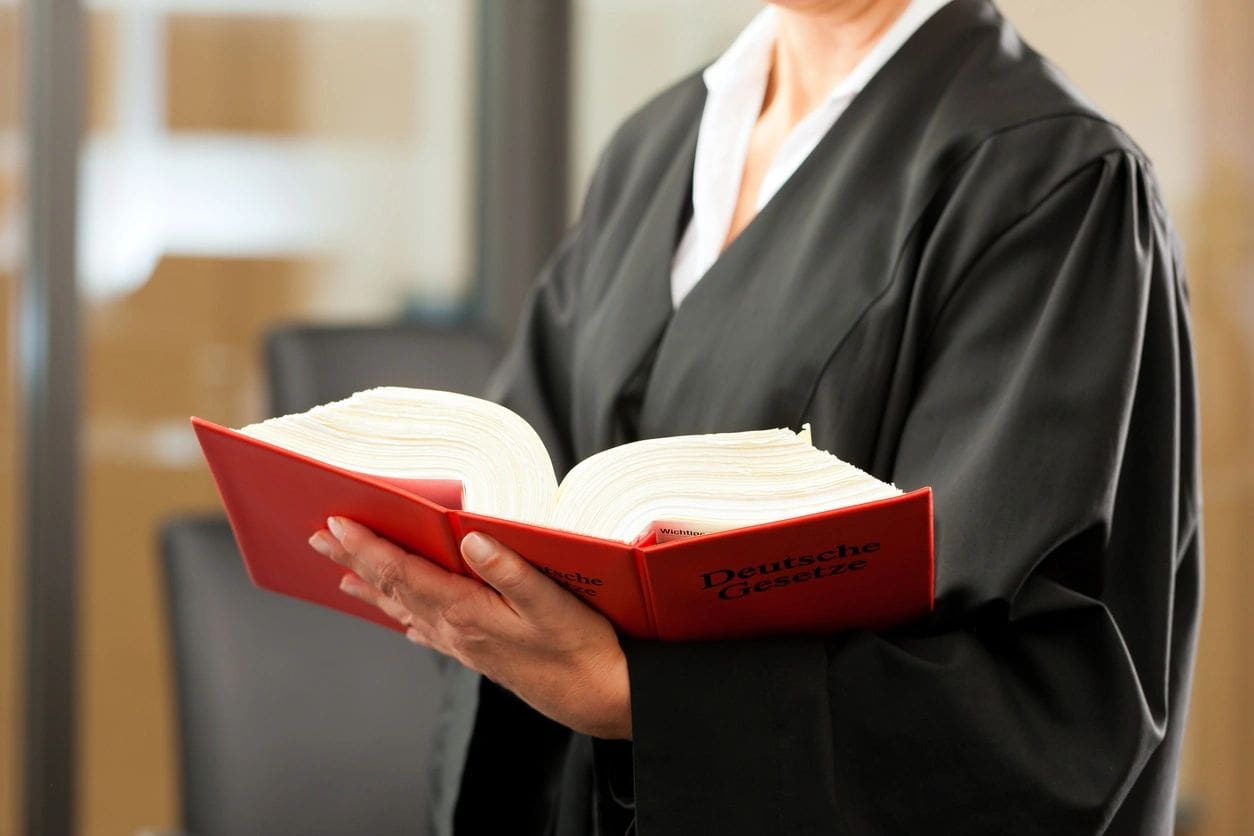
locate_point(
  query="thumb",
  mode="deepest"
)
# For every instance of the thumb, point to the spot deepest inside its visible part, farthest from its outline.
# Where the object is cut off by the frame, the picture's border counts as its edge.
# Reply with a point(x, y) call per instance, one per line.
point(520, 583)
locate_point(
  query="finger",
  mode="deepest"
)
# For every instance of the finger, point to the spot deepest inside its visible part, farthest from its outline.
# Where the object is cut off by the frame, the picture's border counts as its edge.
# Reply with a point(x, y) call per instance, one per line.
point(416, 631)
point(523, 587)
point(416, 583)
point(355, 587)
point(327, 546)
point(422, 638)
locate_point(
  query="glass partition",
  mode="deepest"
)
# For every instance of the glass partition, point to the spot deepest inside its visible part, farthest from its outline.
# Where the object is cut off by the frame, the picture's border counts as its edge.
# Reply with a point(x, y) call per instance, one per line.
point(246, 162)
point(611, 76)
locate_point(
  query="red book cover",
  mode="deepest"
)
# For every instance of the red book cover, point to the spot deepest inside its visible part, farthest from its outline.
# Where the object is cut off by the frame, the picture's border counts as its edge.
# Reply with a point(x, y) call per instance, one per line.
point(867, 566)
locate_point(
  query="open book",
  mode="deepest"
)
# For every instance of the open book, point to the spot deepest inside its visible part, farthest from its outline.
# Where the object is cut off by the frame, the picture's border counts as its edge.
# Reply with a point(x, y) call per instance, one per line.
point(688, 537)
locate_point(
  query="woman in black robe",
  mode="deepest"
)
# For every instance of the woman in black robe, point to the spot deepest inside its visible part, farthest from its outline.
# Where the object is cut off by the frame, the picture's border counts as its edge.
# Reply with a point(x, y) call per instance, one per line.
point(970, 283)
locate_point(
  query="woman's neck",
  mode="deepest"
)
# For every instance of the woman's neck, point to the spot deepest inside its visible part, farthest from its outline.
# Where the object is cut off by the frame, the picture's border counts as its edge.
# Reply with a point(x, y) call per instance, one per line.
point(819, 43)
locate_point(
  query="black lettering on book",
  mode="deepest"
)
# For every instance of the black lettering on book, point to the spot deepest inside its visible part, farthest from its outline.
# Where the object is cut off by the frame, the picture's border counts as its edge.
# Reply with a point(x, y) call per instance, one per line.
point(732, 584)
point(576, 582)
point(740, 589)
point(678, 532)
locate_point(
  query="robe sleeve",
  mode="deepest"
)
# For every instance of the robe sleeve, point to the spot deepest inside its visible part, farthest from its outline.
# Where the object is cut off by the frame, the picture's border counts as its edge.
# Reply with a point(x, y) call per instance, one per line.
point(1053, 415)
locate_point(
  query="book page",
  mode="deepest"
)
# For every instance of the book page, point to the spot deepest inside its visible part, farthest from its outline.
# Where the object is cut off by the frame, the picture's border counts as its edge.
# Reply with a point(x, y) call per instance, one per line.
point(423, 435)
point(686, 486)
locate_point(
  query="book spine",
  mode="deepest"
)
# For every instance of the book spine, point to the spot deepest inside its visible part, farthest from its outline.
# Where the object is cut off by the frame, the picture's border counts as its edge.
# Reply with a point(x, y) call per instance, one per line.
point(455, 525)
point(931, 550)
point(646, 590)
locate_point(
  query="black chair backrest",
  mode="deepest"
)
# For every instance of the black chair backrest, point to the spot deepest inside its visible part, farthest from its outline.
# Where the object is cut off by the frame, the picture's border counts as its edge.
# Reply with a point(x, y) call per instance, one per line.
point(294, 719)
point(316, 364)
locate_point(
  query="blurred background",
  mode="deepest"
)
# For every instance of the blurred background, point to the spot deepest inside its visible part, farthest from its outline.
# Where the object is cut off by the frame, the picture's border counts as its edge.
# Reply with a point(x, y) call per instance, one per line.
point(244, 163)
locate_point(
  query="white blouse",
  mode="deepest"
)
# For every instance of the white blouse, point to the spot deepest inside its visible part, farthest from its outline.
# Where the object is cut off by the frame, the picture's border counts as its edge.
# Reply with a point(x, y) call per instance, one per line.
point(737, 84)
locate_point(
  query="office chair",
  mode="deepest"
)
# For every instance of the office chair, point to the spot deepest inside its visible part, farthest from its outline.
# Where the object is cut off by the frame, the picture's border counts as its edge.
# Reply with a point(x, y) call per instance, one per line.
point(293, 719)
point(314, 364)
point(296, 719)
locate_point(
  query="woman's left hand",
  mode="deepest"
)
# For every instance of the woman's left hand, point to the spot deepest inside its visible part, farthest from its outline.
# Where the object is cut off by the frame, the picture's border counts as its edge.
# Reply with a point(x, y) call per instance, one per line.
point(521, 629)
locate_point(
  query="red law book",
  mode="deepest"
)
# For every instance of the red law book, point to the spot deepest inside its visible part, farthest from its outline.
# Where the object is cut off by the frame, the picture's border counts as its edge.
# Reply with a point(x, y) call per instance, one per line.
point(867, 566)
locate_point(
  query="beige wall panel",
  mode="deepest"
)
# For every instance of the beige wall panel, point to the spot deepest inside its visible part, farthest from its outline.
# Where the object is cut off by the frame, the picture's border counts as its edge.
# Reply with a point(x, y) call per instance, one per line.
point(338, 78)
point(10, 67)
point(101, 82)
point(1228, 32)
point(1139, 63)
point(1221, 732)
point(101, 45)
point(10, 195)
point(1222, 263)
point(187, 342)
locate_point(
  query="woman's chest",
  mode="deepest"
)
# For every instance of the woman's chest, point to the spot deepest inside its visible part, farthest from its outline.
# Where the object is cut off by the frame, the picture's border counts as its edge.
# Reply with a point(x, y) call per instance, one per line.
point(797, 322)
point(810, 315)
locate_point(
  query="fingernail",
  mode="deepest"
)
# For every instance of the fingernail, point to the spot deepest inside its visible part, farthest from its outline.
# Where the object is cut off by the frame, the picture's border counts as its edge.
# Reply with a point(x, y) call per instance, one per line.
point(320, 545)
point(337, 527)
point(348, 583)
point(476, 548)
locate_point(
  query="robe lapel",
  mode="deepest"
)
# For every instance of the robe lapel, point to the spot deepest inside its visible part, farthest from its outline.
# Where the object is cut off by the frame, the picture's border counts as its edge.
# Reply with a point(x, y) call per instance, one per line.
point(747, 346)
point(623, 324)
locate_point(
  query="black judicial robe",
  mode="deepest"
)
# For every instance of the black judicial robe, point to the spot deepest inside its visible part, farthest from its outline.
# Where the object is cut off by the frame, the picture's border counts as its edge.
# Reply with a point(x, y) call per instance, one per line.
point(970, 284)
